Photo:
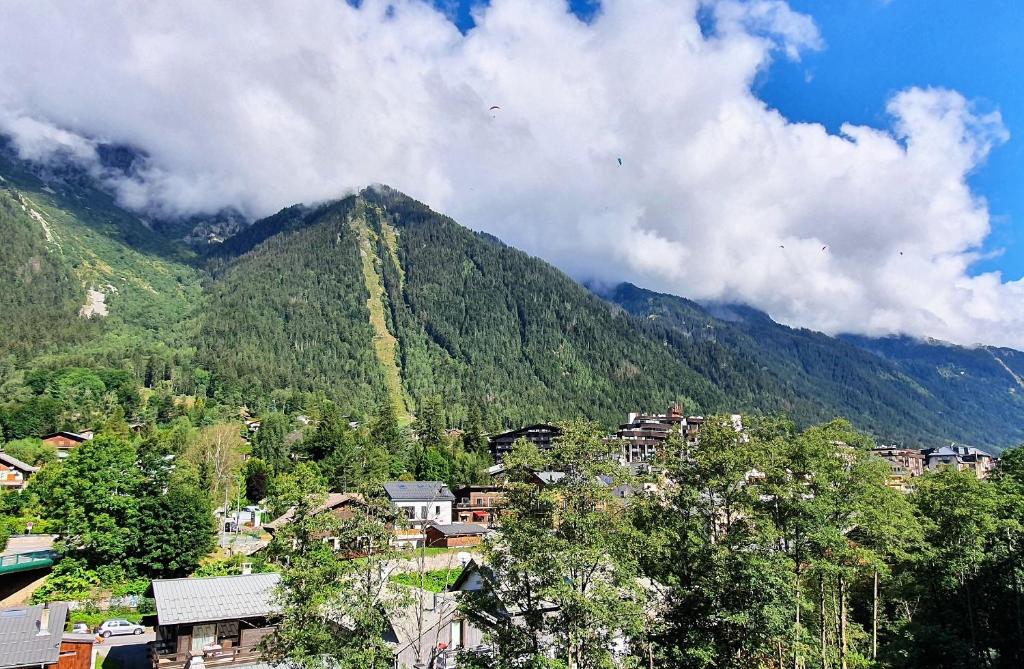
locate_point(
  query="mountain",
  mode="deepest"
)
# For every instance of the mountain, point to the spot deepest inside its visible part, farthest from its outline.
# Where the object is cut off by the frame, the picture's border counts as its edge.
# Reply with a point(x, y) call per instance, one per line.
point(84, 282)
point(378, 293)
point(376, 296)
point(900, 389)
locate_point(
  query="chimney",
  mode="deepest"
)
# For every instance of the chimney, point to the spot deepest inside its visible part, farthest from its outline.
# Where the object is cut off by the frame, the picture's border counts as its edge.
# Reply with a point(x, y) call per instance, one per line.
point(246, 568)
point(43, 622)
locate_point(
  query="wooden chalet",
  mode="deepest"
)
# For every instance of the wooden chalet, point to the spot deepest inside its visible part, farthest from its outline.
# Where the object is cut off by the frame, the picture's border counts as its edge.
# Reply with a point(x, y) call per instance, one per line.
point(221, 619)
point(13, 472)
point(65, 441)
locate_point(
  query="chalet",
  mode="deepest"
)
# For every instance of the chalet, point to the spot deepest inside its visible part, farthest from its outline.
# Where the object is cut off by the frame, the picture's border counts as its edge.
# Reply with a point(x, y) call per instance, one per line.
point(478, 504)
point(13, 472)
point(961, 458)
point(545, 479)
point(454, 535)
point(33, 636)
point(341, 504)
point(221, 619)
point(541, 434)
point(421, 503)
point(904, 462)
point(65, 441)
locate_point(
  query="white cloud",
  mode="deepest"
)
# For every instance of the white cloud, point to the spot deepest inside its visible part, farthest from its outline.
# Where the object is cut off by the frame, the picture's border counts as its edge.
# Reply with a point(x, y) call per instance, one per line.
point(259, 105)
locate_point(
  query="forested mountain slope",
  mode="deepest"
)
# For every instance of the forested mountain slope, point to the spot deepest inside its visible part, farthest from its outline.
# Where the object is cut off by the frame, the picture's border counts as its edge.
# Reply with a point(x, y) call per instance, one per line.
point(377, 296)
point(471, 320)
point(900, 389)
point(67, 245)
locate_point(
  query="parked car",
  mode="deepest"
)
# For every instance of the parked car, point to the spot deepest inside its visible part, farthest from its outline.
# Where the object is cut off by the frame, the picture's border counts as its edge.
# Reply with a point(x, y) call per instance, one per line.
point(119, 626)
point(80, 628)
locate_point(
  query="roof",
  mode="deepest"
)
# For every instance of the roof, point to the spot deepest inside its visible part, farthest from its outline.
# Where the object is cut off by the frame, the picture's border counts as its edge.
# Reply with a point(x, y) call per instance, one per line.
point(550, 477)
point(12, 461)
point(413, 622)
point(194, 600)
point(536, 427)
point(70, 435)
point(459, 529)
point(21, 644)
point(333, 501)
point(418, 491)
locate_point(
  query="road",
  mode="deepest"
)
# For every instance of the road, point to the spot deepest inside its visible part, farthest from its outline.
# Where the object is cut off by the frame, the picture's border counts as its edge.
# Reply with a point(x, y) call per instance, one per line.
point(128, 651)
point(28, 543)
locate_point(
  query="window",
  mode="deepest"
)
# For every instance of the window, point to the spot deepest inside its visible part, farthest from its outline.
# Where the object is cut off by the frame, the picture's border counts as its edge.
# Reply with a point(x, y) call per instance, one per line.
point(456, 633)
point(410, 512)
point(437, 510)
point(423, 512)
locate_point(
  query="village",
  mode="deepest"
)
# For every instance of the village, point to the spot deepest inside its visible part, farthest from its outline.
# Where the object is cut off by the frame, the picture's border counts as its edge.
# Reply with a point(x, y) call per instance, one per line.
point(437, 531)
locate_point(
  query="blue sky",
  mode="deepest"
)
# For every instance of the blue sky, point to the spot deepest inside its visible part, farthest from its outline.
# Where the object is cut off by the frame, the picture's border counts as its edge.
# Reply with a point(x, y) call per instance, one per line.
point(875, 48)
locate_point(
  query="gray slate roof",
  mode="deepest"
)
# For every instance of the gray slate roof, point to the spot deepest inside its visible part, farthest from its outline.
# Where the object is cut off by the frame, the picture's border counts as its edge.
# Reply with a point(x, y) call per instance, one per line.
point(418, 491)
point(550, 478)
point(12, 461)
point(20, 645)
point(460, 529)
point(196, 600)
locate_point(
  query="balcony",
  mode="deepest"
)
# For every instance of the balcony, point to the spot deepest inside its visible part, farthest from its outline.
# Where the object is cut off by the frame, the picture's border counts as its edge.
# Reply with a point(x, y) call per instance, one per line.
point(212, 657)
point(481, 505)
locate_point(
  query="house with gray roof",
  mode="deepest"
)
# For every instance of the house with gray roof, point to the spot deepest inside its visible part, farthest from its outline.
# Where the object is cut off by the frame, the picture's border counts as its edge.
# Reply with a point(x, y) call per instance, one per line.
point(421, 503)
point(33, 636)
point(221, 619)
point(13, 472)
point(961, 458)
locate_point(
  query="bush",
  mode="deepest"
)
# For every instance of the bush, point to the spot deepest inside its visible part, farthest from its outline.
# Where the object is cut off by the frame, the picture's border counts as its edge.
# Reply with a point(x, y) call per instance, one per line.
point(93, 617)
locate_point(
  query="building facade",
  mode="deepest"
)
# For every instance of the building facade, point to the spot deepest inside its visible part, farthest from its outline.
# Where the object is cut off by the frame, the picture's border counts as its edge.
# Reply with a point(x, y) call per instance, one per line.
point(220, 619)
point(421, 503)
point(542, 435)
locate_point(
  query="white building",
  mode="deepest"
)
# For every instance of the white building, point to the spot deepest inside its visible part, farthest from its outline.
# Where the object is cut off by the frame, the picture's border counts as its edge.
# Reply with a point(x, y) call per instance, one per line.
point(421, 502)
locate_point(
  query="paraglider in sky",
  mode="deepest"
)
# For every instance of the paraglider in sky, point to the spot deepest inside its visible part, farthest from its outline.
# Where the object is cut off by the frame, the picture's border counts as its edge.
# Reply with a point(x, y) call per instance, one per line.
point(493, 107)
point(824, 248)
point(781, 246)
point(620, 162)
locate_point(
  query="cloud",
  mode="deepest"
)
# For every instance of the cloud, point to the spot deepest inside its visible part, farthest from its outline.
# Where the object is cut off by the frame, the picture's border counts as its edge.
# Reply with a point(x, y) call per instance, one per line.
point(259, 105)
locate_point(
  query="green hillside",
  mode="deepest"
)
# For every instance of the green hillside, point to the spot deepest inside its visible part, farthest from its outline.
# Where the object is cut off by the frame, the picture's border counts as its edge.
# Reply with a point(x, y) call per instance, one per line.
point(472, 321)
point(64, 238)
point(900, 389)
point(377, 297)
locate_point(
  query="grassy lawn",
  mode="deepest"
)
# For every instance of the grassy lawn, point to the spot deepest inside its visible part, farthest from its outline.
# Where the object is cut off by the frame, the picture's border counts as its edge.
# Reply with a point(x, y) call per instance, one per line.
point(434, 581)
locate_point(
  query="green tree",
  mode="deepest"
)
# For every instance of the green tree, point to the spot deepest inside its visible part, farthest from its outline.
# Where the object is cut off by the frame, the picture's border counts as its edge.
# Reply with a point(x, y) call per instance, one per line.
point(473, 439)
point(334, 609)
point(270, 443)
point(257, 480)
point(430, 424)
point(30, 450)
point(729, 601)
point(566, 559)
point(92, 499)
point(175, 530)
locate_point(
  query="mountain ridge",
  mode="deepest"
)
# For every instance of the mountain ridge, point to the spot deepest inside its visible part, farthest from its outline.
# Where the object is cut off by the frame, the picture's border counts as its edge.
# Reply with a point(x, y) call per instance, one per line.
point(291, 301)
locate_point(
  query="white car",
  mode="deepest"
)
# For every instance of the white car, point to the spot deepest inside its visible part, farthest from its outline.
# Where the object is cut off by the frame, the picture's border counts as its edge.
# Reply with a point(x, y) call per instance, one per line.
point(119, 626)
